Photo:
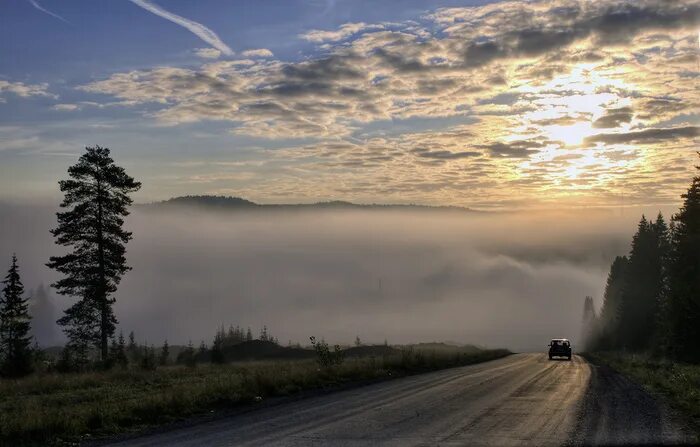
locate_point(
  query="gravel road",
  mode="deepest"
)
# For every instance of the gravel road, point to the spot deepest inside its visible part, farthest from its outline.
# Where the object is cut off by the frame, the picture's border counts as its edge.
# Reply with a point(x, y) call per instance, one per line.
point(523, 399)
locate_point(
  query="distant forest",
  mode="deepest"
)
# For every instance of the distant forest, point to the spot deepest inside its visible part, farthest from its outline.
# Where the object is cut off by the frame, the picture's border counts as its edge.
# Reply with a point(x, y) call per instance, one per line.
point(652, 295)
point(227, 203)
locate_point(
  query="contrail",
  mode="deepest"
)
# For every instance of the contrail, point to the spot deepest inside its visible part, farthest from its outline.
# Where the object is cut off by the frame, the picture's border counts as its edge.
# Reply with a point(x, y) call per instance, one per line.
point(198, 29)
point(36, 4)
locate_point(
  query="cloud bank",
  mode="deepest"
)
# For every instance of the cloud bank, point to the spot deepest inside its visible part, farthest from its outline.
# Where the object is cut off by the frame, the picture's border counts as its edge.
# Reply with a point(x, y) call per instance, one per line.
point(501, 279)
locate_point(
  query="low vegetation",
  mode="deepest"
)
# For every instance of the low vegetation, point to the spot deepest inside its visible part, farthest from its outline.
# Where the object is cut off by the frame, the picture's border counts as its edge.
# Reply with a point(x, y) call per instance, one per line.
point(53, 408)
point(679, 383)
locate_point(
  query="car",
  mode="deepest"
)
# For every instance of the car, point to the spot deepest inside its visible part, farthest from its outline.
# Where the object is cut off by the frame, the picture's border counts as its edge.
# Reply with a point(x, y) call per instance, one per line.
point(559, 347)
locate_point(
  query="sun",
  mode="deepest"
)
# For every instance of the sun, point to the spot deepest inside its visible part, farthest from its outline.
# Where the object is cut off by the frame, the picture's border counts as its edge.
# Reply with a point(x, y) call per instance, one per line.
point(572, 135)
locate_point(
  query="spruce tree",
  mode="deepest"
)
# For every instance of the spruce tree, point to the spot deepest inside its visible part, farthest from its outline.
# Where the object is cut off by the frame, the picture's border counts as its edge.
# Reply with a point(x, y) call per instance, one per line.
point(164, 354)
point(643, 286)
point(684, 277)
point(612, 301)
point(15, 341)
point(121, 357)
point(217, 353)
point(97, 200)
point(590, 323)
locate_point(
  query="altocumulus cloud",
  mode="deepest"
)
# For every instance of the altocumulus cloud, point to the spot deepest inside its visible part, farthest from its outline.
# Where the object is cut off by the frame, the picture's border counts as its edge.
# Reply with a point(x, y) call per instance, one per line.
point(520, 77)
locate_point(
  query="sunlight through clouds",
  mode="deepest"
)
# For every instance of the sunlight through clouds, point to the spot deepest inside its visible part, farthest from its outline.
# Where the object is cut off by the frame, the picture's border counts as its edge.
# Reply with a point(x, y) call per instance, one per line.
point(457, 106)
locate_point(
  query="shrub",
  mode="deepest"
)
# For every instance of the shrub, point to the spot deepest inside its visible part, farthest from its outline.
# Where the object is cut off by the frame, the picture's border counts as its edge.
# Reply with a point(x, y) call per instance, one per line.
point(324, 356)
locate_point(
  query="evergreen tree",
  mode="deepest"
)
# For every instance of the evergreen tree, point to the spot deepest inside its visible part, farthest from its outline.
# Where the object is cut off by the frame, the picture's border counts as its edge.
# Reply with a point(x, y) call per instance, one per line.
point(148, 359)
point(97, 198)
point(132, 348)
point(217, 353)
point(15, 341)
point(164, 354)
point(684, 277)
point(122, 359)
point(643, 287)
point(590, 323)
point(612, 300)
point(113, 352)
point(187, 356)
point(249, 335)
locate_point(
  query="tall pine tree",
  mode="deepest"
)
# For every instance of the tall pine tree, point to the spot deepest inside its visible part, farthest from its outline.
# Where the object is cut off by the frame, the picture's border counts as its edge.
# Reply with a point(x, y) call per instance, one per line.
point(15, 341)
point(684, 277)
point(97, 200)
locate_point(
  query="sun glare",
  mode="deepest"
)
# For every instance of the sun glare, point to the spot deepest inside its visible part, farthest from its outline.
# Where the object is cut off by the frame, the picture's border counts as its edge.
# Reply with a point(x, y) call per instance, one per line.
point(572, 135)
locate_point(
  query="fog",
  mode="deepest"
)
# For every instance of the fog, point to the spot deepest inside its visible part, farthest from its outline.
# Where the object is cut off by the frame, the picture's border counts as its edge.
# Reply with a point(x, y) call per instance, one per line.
point(494, 279)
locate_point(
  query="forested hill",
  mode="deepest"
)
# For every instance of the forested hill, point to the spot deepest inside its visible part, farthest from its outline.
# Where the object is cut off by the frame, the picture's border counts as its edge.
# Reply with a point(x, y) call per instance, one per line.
point(236, 203)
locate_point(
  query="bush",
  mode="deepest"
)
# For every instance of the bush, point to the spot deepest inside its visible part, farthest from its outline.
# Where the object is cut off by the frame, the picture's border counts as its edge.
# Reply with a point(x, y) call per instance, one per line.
point(324, 356)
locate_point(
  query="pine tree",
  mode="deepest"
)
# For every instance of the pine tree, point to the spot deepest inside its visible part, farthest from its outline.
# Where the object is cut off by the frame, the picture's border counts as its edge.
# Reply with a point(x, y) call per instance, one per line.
point(249, 335)
point(15, 341)
point(684, 277)
point(97, 198)
point(164, 354)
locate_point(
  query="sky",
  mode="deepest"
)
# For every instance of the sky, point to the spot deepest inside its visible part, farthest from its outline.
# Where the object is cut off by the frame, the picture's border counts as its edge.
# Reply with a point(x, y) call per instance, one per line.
point(503, 105)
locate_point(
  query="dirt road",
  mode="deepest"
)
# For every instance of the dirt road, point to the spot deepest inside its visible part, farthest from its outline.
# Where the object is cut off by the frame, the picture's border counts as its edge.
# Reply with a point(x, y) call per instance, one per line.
point(523, 399)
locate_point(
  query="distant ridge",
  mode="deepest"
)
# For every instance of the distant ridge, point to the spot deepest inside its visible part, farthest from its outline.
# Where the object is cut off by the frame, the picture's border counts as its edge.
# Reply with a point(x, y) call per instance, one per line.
point(237, 203)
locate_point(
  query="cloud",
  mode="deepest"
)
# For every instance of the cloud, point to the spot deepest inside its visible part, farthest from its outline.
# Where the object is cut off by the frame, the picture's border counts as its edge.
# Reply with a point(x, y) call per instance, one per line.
point(614, 117)
point(515, 149)
point(208, 53)
point(646, 136)
point(260, 52)
point(508, 80)
point(66, 107)
point(346, 30)
point(197, 29)
point(36, 5)
point(447, 155)
point(25, 90)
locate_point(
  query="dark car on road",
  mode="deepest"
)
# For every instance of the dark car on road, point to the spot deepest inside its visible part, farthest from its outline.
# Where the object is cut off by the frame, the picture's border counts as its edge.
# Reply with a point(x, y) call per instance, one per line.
point(559, 347)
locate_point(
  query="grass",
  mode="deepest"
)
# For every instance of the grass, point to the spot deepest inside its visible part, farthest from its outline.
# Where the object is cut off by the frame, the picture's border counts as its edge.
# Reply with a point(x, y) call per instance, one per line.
point(60, 409)
point(679, 383)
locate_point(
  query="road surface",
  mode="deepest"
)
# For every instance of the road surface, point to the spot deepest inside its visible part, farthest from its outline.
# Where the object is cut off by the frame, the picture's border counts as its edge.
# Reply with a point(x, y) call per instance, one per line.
point(523, 399)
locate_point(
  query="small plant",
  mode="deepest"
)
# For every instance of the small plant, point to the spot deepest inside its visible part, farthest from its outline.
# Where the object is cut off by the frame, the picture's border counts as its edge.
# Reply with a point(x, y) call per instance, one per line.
point(324, 356)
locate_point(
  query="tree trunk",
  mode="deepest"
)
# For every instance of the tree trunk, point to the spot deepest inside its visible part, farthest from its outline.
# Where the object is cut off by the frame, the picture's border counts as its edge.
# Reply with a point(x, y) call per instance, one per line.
point(102, 289)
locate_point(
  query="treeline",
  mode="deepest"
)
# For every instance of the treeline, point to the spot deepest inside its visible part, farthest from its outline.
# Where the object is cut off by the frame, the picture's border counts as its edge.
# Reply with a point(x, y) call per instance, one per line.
point(652, 295)
point(128, 353)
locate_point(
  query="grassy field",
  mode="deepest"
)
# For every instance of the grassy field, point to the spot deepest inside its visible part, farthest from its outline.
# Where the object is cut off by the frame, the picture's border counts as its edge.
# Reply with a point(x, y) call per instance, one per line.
point(55, 409)
point(679, 383)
